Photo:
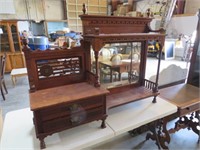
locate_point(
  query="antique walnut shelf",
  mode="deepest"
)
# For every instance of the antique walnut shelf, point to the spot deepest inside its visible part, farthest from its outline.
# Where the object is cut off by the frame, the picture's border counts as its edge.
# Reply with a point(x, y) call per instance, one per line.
point(101, 30)
point(65, 93)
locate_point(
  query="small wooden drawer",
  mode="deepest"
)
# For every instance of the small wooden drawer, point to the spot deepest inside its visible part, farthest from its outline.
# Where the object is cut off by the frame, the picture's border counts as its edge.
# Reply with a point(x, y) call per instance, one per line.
point(187, 110)
point(67, 109)
point(74, 119)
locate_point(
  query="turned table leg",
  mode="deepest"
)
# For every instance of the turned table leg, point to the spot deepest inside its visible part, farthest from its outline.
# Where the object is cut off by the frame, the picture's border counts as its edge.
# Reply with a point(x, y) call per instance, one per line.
point(159, 133)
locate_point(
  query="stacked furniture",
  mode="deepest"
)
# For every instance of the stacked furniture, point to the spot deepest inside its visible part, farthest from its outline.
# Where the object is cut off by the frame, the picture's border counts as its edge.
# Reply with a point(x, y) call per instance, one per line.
point(65, 92)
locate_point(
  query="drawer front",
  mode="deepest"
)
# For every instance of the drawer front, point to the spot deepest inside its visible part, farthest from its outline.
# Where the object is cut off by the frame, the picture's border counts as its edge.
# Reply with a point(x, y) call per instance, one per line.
point(67, 109)
point(188, 110)
point(75, 119)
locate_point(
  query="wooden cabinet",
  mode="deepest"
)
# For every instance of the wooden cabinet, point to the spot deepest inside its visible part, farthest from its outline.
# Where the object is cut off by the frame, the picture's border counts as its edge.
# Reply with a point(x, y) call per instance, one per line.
point(11, 45)
point(63, 94)
point(68, 114)
point(17, 60)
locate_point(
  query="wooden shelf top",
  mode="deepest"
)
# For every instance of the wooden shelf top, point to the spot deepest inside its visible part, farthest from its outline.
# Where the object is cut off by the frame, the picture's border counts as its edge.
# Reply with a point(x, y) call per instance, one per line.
point(182, 95)
point(61, 94)
point(130, 95)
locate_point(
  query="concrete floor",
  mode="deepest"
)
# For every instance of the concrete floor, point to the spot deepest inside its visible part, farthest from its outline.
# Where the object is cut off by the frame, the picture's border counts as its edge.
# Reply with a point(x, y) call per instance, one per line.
point(17, 98)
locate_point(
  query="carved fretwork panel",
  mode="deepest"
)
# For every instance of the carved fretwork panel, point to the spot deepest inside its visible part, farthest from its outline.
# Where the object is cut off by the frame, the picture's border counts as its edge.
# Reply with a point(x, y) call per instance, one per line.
point(58, 67)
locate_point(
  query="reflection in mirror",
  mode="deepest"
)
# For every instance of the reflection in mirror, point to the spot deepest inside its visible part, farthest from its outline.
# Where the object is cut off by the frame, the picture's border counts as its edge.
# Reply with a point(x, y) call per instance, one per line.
point(93, 65)
point(119, 64)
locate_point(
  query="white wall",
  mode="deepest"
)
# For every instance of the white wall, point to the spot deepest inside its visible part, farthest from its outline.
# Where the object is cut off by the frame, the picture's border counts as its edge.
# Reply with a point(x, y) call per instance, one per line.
point(49, 10)
point(192, 6)
point(183, 25)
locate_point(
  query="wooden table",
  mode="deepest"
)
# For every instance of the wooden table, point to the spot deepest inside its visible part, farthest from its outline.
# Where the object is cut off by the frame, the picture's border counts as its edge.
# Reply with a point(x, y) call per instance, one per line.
point(21, 134)
point(120, 67)
point(186, 98)
point(17, 73)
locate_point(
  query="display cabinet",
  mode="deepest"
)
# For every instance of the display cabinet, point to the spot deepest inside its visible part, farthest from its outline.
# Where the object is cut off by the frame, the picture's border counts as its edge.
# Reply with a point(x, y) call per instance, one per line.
point(11, 44)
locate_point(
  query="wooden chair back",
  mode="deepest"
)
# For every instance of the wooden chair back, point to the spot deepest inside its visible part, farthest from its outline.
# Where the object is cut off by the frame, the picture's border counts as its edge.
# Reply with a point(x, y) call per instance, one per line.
point(106, 54)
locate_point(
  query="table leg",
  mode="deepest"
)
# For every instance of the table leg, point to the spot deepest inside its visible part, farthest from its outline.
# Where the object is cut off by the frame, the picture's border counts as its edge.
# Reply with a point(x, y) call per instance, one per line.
point(119, 76)
point(13, 80)
point(159, 133)
point(188, 122)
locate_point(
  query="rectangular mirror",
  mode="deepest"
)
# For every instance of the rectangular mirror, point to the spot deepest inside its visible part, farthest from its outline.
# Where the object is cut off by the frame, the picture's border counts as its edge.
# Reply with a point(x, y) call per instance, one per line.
point(116, 66)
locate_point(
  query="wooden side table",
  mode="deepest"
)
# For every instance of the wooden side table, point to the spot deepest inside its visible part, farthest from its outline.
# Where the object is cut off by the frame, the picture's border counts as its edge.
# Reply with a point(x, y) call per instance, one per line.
point(16, 73)
point(186, 98)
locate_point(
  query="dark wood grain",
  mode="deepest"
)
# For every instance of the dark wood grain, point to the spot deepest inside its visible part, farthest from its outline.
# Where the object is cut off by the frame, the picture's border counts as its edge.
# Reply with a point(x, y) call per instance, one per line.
point(127, 96)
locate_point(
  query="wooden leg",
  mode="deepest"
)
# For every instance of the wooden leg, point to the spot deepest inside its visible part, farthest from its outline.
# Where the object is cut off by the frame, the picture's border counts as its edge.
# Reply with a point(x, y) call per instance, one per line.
point(103, 124)
point(13, 80)
point(188, 122)
point(163, 134)
point(42, 143)
point(4, 85)
point(2, 93)
point(154, 99)
point(159, 133)
point(153, 136)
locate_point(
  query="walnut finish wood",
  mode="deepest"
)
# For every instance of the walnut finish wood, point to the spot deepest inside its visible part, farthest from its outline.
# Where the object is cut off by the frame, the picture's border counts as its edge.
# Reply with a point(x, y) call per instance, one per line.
point(114, 24)
point(71, 101)
point(127, 96)
point(61, 108)
point(63, 93)
point(99, 30)
point(186, 98)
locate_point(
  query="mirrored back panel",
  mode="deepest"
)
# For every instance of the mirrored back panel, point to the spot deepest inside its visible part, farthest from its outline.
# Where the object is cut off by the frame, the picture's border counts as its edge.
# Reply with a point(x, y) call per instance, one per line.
point(118, 64)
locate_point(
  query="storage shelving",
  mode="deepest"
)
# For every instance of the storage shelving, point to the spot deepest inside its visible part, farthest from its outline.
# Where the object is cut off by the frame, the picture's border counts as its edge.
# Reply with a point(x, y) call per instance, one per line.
point(10, 44)
point(74, 9)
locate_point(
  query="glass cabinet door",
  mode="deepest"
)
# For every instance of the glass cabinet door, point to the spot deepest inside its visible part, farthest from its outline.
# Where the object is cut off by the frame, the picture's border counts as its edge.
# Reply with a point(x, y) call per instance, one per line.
point(15, 36)
point(4, 44)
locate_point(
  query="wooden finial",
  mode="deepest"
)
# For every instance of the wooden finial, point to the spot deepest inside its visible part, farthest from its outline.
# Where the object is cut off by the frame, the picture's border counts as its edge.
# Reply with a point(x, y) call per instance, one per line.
point(84, 9)
point(148, 12)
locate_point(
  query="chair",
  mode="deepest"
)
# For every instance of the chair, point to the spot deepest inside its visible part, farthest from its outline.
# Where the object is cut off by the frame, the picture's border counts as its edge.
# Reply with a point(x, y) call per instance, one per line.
point(106, 70)
point(105, 53)
point(135, 63)
point(2, 71)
